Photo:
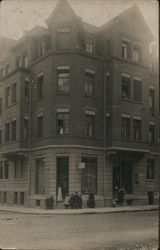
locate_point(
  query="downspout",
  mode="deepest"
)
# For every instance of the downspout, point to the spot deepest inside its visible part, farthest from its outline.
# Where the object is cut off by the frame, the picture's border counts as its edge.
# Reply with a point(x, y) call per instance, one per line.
point(104, 129)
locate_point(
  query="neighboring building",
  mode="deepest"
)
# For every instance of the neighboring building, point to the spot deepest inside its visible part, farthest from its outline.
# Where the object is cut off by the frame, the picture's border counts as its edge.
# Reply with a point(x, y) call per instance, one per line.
point(79, 108)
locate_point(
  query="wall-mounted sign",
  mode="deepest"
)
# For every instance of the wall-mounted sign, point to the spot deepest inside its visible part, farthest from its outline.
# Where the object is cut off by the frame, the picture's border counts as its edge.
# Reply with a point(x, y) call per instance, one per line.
point(81, 165)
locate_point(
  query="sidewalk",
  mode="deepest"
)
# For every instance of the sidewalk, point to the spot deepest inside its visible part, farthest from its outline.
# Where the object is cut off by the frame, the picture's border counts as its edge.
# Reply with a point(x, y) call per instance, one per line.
point(104, 210)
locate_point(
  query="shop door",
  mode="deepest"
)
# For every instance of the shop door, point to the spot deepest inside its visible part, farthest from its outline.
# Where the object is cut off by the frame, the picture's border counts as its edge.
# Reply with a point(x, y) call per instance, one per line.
point(122, 176)
point(63, 175)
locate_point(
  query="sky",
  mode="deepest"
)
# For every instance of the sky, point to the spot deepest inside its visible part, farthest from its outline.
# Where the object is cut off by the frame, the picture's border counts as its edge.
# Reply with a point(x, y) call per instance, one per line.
point(17, 16)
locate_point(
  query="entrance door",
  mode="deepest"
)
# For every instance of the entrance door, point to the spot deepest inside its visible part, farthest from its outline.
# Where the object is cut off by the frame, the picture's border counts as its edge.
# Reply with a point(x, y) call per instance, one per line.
point(63, 174)
point(122, 176)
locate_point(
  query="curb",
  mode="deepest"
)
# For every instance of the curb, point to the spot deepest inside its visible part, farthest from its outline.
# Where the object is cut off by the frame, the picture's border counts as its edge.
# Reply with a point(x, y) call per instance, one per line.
point(81, 212)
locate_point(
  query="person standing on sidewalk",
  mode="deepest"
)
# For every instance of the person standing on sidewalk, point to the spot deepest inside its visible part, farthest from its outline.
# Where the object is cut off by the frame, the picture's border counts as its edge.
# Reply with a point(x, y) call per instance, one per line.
point(121, 193)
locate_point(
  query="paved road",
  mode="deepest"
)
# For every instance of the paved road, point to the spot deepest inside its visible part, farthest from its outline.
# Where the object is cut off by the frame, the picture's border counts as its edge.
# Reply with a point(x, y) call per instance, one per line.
point(96, 231)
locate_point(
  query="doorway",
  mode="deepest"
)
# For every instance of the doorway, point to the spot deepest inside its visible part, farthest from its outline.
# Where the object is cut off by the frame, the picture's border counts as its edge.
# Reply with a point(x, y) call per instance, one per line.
point(63, 174)
point(122, 176)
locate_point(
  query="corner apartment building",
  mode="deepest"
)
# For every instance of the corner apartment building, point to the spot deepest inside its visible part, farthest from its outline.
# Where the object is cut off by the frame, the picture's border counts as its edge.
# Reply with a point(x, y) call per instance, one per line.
point(79, 108)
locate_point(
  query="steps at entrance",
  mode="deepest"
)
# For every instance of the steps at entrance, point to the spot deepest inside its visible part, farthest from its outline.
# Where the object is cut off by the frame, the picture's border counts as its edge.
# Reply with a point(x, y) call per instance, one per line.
point(60, 204)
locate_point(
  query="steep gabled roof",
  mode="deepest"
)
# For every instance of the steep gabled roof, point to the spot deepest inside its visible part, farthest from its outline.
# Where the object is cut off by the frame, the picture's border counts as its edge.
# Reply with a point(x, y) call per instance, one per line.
point(62, 6)
point(128, 17)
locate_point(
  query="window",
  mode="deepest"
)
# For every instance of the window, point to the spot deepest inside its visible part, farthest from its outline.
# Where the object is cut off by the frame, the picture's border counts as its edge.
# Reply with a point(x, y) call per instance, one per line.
point(89, 83)
point(90, 44)
point(40, 86)
point(1, 169)
point(40, 174)
point(137, 54)
point(7, 132)
point(151, 133)
point(63, 38)
point(89, 123)
point(15, 197)
point(19, 169)
point(125, 50)
point(125, 87)
point(7, 96)
point(125, 127)
point(137, 90)
point(150, 169)
point(151, 97)
point(13, 130)
point(24, 60)
point(6, 169)
point(62, 121)
point(21, 198)
point(42, 47)
point(26, 128)
point(89, 175)
point(0, 136)
point(26, 90)
point(63, 83)
point(13, 92)
point(7, 69)
point(0, 105)
point(137, 128)
point(40, 126)
point(18, 62)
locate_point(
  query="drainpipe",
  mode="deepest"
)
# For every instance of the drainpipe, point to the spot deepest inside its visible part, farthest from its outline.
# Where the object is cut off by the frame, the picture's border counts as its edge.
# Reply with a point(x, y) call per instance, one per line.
point(104, 129)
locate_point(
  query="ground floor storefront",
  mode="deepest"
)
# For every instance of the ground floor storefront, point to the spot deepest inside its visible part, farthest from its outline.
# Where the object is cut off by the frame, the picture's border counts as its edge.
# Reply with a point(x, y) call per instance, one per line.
point(27, 180)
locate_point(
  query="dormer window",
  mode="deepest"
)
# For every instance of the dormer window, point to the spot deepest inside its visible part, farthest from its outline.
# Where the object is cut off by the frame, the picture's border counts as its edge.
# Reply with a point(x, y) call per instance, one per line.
point(42, 47)
point(7, 69)
point(125, 49)
point(63, 38)
point(90, 43)
point(24, 60)
point(137, 54)
point(18, 62)
point(2, 72)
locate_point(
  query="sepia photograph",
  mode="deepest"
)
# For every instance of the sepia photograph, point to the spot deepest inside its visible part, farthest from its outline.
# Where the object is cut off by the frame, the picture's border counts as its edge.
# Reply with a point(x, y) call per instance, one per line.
point(79, 125)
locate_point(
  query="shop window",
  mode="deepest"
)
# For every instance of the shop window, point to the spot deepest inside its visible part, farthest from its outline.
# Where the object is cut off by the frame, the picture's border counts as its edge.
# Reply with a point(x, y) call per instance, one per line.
point(151, 133)
point(150, 168)
point(21, 198)
point(125, 87)
point(63, 81)
point(89, 83)
point(151, 98)
point(24, 60)
point(4, 197)
point(137, 90)
point(40, 120)
point(125, 50)
point(90, 43)
point(15, 198)
point(63, 38)
point(7, 96)
point(63, 122)
point(40, 85)
point(89, 175)
point(137, 54)
point(13, 130)
point(0, 105)
point(7, 132)
point(125, 127)
point(6, 169)
point(137, 129)
point(13, 92)
point(1, 170)
point(89, 124)
point(0, 136)
point(40, 177)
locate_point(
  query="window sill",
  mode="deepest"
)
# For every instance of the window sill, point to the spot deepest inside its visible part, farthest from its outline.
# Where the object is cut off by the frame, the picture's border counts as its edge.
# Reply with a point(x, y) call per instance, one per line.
point(150, 180)
point(40, 99)
point(90, 96)
point(63, 93)
point(18, 179)
point(130, 100)
point(11, 105)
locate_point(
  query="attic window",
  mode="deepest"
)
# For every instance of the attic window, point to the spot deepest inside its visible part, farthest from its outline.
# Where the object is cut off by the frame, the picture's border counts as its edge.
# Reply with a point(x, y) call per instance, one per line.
point(90, 43)
point(42, 47)
point(63, 38)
